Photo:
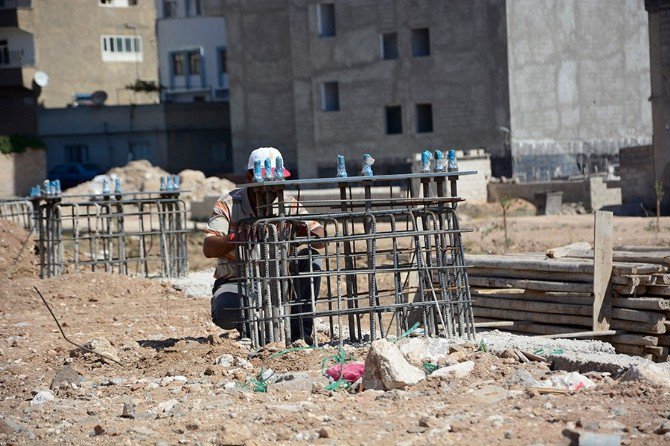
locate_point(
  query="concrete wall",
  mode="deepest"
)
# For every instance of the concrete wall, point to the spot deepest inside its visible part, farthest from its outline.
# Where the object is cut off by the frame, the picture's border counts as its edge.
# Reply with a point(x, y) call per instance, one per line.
point(637, 179)
point(578, 80)
point(593, 192)
point(659, 43)
point(67, 47)
point(261, 79)
point(20, 171)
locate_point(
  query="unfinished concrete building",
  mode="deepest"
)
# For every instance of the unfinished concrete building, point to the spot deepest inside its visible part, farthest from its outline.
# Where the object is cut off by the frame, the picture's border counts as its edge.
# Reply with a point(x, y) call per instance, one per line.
point(544, 86)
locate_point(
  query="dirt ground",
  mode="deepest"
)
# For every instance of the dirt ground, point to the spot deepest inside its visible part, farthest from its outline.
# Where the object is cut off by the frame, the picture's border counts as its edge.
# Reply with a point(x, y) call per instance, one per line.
point(174, 391)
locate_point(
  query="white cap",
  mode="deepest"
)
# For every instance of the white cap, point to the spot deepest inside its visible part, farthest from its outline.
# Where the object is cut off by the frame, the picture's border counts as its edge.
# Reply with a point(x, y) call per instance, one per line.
point(263, 153)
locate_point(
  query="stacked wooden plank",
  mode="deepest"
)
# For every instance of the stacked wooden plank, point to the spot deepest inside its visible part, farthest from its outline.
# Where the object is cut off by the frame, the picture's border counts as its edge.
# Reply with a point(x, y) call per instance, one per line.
point(537, 294)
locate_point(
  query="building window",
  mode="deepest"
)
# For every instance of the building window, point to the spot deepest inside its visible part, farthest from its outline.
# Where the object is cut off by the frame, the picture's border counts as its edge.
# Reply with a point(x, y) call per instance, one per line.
point(193, 8)
point(178, 64)
point(424, 118)
point(194, 62)
point(117, 3)
point(4, 53)
point(76, 153)
point(169, 8)
point(330, 96)
point(393, 120)
point(389, 46)
point(121, 48)
point(326, 17)
point(223, 61)
point(420, 42)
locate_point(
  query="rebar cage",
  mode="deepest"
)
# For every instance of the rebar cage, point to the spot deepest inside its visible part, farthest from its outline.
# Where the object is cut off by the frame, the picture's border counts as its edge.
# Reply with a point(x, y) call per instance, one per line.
point(389, 262)
point(140, 234)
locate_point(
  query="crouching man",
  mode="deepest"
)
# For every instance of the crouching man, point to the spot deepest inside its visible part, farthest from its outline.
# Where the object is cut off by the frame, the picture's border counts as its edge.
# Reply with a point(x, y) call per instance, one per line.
point(219, 243)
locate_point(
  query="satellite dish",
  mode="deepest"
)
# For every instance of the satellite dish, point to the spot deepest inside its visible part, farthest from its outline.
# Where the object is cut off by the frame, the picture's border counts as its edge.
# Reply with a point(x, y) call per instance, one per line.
point(99, 97)
point(41, 78)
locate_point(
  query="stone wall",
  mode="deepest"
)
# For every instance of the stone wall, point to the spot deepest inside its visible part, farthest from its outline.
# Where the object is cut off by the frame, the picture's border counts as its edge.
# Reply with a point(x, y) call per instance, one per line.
point(637, 176)
point(20, 171)
point(593, 192)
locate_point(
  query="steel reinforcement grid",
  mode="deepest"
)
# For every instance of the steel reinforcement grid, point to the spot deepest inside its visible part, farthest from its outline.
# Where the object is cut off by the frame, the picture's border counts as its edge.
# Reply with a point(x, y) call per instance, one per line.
point(137, 233)
point(386, 264)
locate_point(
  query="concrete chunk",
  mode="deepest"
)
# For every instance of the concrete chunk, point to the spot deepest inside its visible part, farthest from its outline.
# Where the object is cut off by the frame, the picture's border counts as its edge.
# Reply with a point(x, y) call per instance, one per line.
point(386, 368)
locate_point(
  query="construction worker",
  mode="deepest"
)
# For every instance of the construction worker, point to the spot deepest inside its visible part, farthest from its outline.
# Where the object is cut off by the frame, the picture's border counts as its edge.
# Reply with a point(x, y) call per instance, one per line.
point(219, 243)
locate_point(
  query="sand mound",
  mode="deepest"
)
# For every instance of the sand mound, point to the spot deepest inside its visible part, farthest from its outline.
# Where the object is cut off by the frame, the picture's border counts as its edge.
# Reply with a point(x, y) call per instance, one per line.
point(15, 240)
point(142, 176)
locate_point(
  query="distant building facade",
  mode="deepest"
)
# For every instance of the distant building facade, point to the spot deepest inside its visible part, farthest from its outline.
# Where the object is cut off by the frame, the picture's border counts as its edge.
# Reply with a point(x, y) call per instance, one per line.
point(173, 136)
point(547, 87)
point(83, 46)
point(192, 51)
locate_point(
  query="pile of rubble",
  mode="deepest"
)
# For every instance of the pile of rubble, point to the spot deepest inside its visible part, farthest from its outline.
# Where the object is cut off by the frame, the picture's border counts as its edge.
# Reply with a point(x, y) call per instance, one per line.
point(142, 176)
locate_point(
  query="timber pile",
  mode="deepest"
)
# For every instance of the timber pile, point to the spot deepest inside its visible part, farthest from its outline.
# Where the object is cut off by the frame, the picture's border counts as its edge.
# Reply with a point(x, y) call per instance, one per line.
point(553, 294)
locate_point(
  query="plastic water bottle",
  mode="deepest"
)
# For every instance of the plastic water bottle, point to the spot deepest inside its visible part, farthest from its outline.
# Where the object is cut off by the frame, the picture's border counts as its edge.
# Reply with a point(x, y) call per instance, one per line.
point(169, 186)
point(425, 161)
point(176, 182)
point(279, 170)
point(117, 186)
point(366, 168)
point(341, 167)
point(162, 188)
point(440, 161)
point(46, 187)
point(58, 190)
point(452, 165)
point(258, 172)
point(105, 186)
point(267, 176)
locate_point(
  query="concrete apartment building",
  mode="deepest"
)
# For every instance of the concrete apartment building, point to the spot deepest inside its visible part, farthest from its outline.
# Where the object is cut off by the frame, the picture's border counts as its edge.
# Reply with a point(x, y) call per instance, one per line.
point(83, 46)
point(542, 85)
point(192, 51)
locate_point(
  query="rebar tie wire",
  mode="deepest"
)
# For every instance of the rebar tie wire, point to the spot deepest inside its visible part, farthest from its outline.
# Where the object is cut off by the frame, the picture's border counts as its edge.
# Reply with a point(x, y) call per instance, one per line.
point(65, 337)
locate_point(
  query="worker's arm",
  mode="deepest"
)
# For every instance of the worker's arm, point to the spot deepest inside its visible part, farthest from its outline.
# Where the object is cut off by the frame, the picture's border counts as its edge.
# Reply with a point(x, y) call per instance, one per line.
point(319, 233)
point(215, 246)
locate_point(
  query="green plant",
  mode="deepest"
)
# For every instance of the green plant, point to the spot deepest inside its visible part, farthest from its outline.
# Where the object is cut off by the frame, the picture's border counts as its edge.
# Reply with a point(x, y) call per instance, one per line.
point(505, 203)
point(658, 188)
point(19, 143)
point(144, 86)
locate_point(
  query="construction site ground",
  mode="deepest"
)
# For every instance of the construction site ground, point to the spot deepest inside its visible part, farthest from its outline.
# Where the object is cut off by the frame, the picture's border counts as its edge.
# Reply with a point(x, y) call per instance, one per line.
point(174, 392)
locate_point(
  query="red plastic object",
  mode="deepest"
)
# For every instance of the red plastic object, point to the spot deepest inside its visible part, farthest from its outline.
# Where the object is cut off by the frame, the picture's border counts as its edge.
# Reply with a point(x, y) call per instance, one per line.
point(350, 372)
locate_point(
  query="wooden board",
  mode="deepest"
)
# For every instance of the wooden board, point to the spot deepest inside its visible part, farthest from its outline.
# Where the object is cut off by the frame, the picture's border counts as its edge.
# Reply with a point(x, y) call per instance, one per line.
point(533, 306)
point(633, 339)
point(603, 244)
point(563, 298)
point(537, 275)
point(642, 303)
point(547, 318)
point(539, 285)
point(649, 317)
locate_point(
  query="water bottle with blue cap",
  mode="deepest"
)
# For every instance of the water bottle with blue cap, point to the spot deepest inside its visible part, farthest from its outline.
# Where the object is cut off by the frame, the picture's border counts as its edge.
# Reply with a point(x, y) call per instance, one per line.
point(258, 171)
point(170, 185)
point(366, 168)
point(267, 176)
point(58, 189)
point(279, 169)
point(426, 156)
point(46, 187)
point(341, 167)
point(440, 161)
point(176, 182)
point(452, 165)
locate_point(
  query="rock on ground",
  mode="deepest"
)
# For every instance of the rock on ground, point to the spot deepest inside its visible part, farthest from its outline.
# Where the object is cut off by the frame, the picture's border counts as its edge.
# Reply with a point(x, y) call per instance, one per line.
point(460, 370)
point(386, 368)
point(650, 373)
